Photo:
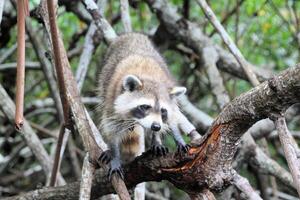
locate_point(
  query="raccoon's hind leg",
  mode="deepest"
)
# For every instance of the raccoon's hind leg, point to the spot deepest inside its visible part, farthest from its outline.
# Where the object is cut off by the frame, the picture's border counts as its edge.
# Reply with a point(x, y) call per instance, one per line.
point(156, 145)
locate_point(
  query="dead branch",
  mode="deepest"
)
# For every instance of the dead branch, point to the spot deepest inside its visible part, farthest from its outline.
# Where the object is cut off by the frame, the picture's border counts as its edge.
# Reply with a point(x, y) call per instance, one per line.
point(8, 108)
point(22, 8)
point(210, 58)
point(228, 41)
point(192, 36)
point(290, 150)
point(87, 178)
point(125, 16)
point(86, 55)
point(243, 184)
point(101, 23)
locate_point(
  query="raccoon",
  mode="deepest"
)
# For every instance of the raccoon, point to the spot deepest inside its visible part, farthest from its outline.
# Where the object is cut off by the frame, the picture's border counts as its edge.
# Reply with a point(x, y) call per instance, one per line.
point(138, 96)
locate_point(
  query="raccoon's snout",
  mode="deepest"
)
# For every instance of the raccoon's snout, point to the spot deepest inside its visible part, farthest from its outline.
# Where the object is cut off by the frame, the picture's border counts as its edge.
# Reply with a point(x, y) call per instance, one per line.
point(155, 126)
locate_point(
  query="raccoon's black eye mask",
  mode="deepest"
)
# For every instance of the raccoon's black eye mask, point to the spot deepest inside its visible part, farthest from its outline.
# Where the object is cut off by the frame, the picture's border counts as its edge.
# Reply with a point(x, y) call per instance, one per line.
point(141, 111)
point(164, 114)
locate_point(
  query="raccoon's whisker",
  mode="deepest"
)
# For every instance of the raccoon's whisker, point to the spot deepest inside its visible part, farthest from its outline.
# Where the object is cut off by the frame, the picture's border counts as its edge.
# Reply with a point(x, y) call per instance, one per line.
point(126, 128)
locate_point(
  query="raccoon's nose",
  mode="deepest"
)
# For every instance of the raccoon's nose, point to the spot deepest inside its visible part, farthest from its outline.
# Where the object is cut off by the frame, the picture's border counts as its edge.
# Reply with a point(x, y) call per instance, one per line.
point(155, 126)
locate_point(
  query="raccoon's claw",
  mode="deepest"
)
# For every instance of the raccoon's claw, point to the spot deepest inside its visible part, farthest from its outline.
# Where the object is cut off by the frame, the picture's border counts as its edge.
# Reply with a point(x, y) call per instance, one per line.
point(159, 150)
point(105, 157)
point(115, 167)
point(182, 148)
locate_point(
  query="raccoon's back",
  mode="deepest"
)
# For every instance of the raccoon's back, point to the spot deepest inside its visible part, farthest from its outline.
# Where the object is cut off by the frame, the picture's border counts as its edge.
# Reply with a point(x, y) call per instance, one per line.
point(124, 46)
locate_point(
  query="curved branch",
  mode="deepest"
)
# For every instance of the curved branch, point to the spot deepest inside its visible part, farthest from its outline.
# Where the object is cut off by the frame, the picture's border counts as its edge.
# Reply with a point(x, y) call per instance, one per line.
point(207, 165)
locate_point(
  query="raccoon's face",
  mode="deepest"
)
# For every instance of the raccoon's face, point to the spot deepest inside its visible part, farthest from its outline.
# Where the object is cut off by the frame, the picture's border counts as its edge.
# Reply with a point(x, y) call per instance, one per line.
point(149, 104)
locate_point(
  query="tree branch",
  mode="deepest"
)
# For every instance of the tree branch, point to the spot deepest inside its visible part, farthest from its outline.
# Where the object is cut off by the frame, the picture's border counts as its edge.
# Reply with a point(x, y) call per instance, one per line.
point(125, 16)
point(228, 41)
point(22, 8)
point(243, 184)
point(290, 150)
point(208, 165)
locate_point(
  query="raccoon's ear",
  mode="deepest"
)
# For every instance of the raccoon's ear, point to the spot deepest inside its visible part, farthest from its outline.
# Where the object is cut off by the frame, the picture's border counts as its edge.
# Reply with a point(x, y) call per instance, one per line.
point(177, 91)
point(131, 83)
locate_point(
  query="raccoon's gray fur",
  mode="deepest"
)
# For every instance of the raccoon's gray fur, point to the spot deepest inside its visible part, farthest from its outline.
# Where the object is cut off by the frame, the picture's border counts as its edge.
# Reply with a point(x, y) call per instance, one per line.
point(137, 93)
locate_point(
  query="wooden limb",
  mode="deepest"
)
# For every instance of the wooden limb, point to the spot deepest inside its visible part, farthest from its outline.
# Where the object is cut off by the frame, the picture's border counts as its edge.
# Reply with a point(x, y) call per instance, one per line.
point(9, 52)
point(290, 150)
point(58, 155)
point(210, 58)
point(46, 68)
point(228, 41)
point(228, 15)
point(198, 117)
point(264, 164)
point(192, 36)
point(58, 59)
point(22, 10)
point(79, 116)
point(125, 16)
point(243, 185)
point(208, 165)
point(29, 65)
point(87, 177)
point(8, 108)
point(86, 55)
point(101, 23)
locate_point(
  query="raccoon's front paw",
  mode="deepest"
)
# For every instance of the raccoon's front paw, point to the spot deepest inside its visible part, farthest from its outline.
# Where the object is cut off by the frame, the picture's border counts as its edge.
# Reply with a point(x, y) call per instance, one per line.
point(182, 148)
point(159, 150)
point(106, 157)
point(115, 167)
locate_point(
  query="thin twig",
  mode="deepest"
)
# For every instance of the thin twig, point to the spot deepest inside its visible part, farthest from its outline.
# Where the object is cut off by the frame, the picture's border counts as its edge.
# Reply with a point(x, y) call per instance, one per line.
point(57, 157)
point(13, 66)
point(46, 67)
point(290, 150)
point(58, 59)
point(125, 16)
point(101, 23)
point(229, 43)
point(22, 8)
point(85, 56)
point(9, 52)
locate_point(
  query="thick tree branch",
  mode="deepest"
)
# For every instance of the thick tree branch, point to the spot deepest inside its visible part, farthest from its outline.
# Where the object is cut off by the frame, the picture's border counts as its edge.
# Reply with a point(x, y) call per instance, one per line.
point(208, 165)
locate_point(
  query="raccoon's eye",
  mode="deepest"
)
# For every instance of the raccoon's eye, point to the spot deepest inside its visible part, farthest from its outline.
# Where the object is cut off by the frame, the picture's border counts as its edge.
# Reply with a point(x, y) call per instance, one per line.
point(144, 107)
point(164, 114)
